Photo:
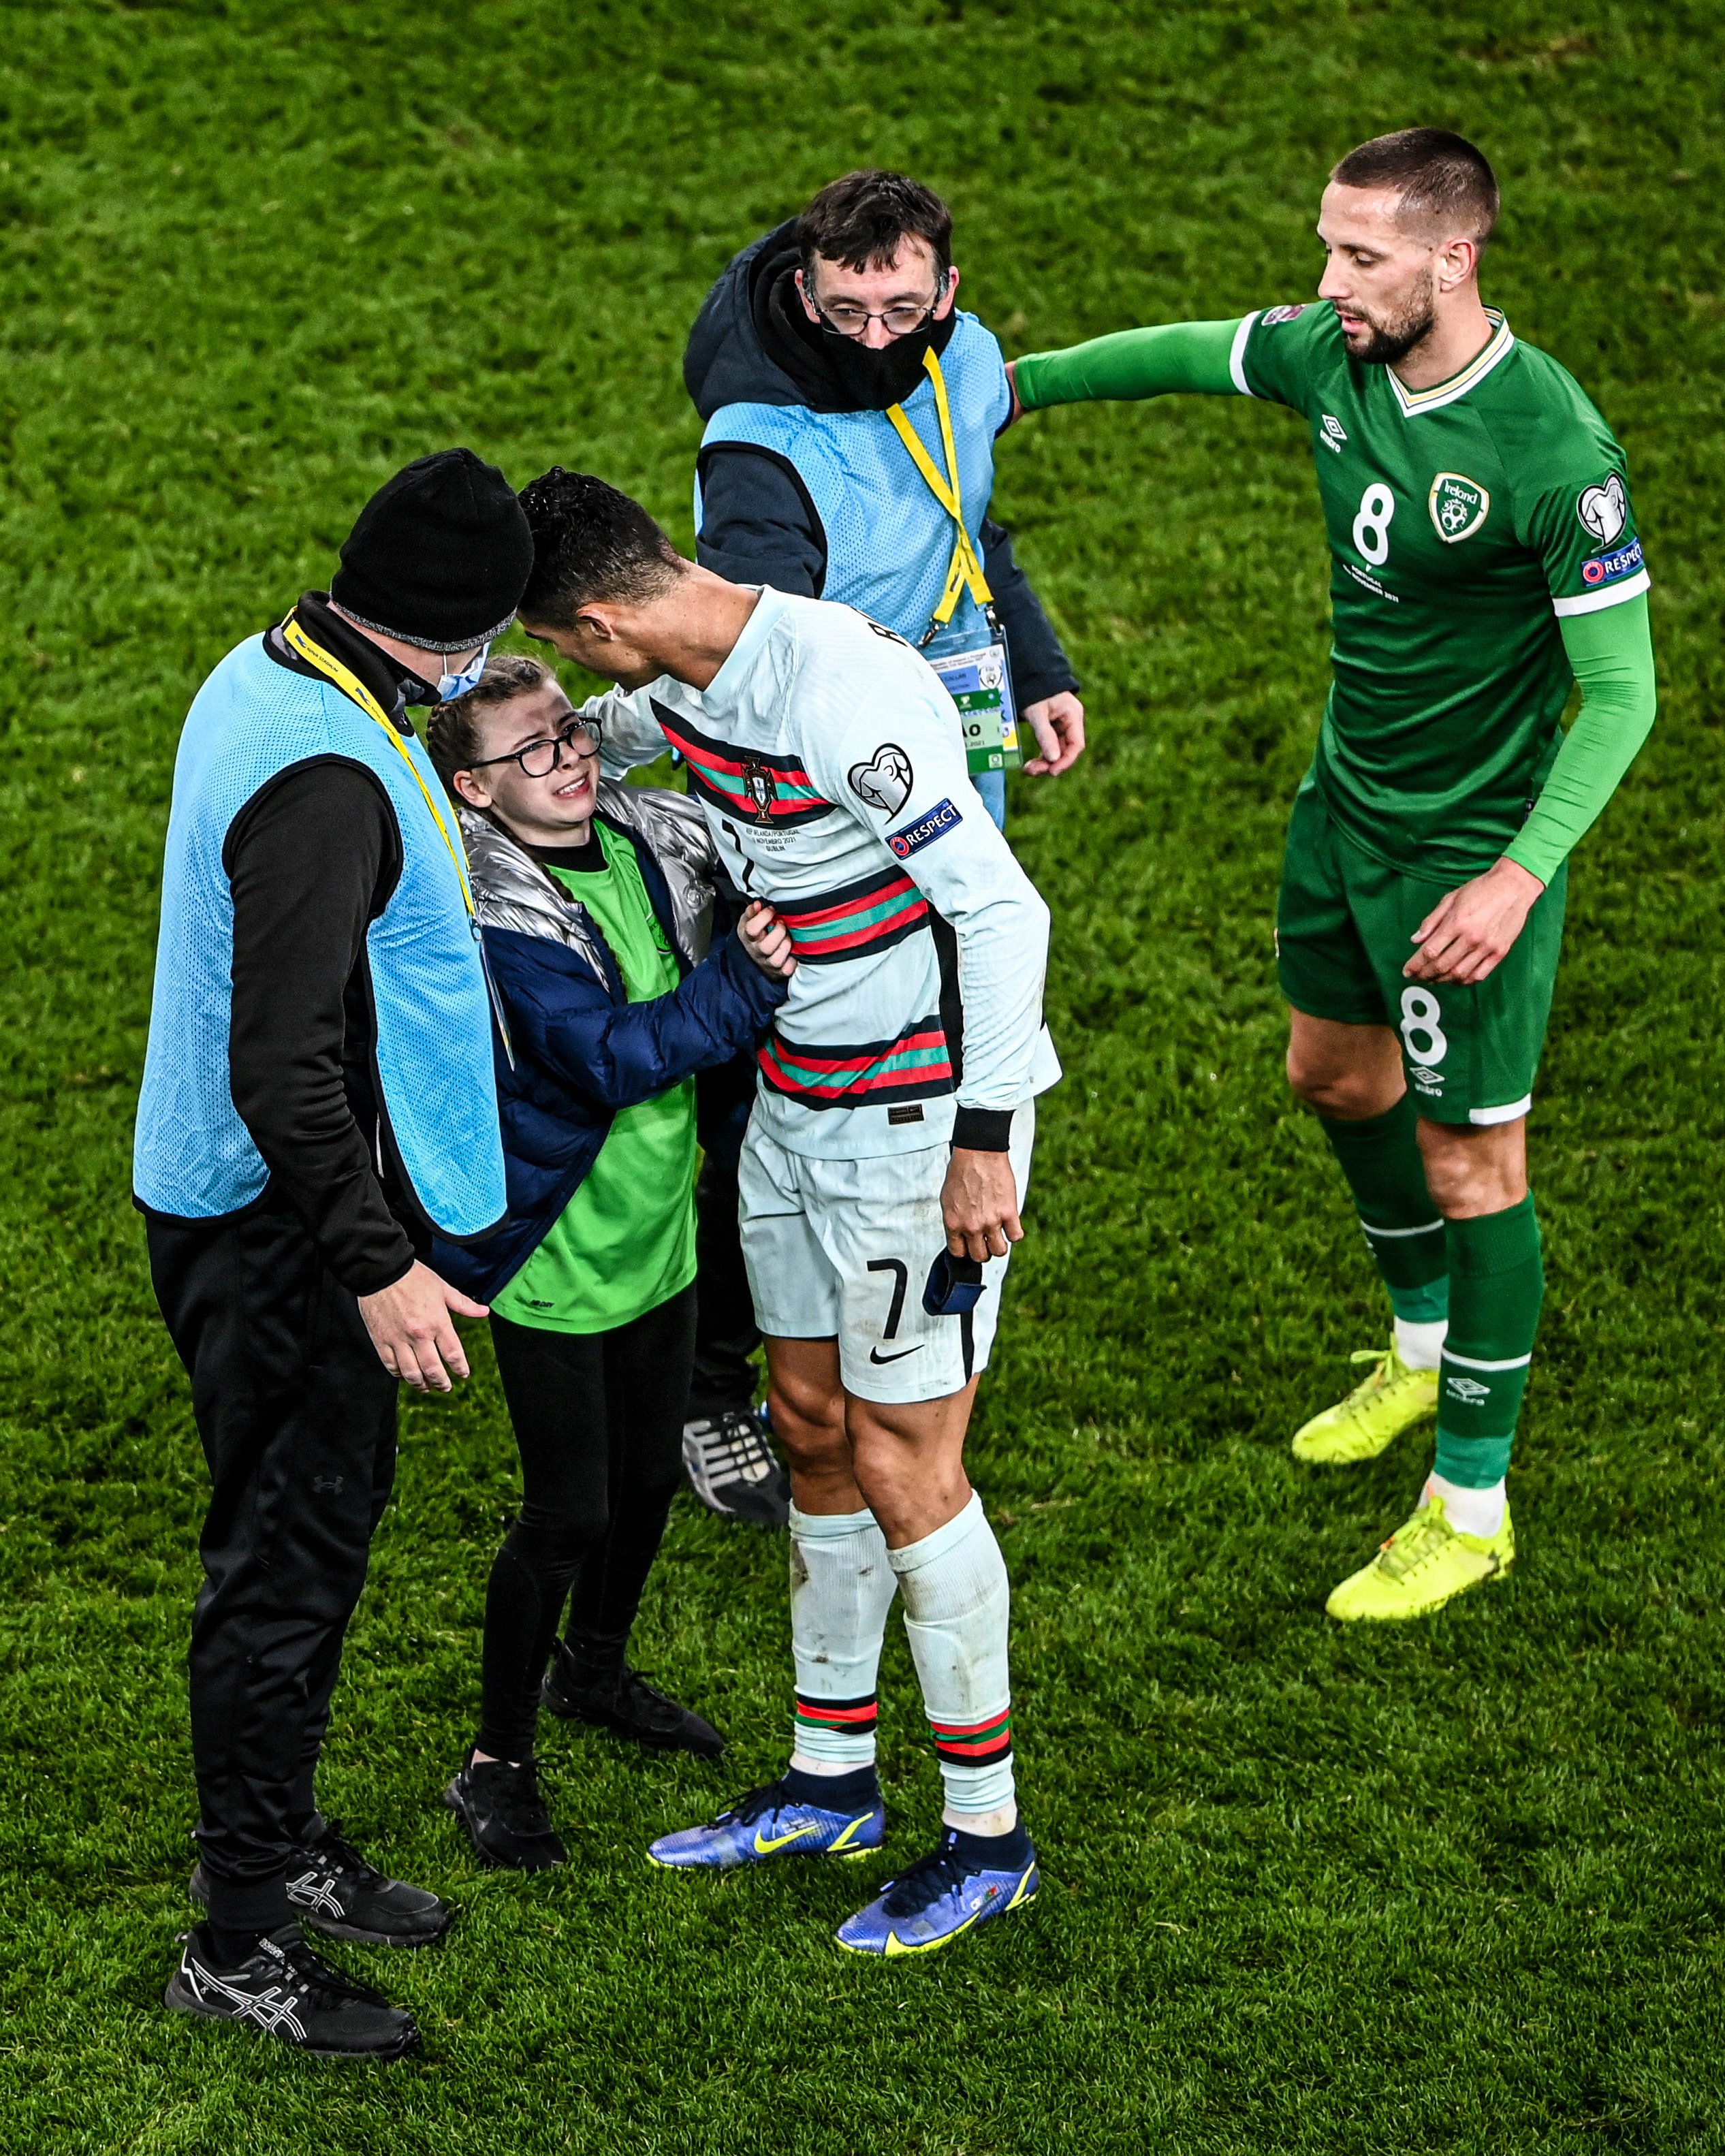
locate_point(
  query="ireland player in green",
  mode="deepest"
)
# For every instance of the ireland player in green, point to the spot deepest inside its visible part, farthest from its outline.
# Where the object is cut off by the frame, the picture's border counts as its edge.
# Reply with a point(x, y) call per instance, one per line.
point(1485, 559)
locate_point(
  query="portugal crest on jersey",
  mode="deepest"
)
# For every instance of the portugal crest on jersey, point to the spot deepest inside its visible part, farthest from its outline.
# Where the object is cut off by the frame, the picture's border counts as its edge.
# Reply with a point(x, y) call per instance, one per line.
point(761, 786)
point(1459, 506)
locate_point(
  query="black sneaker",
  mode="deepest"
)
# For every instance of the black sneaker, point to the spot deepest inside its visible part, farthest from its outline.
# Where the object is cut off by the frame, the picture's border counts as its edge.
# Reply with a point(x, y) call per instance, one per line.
point(284, 1990)
point(337, 1892)
point(731, 1470)
point(501, 1809)
point(622, 1701)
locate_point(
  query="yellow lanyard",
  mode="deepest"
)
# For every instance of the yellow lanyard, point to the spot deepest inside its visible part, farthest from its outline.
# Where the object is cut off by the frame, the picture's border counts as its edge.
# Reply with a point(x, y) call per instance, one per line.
point(965, 573)
point(351, 685)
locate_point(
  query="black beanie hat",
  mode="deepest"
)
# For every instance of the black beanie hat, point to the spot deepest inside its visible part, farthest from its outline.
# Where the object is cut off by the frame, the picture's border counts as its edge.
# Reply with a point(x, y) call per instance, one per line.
point(439, 557)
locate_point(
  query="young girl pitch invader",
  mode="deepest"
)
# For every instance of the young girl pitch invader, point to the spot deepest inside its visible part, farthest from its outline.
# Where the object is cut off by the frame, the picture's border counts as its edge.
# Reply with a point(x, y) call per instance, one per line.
point(595, 903)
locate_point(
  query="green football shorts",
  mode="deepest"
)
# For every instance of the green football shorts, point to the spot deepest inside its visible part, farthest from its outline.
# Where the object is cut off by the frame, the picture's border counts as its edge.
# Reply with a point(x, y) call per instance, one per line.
point(1344, 927)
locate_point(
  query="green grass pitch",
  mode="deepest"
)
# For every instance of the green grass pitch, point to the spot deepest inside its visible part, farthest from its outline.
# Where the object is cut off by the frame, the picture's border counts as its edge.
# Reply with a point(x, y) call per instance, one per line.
point(1451, 1887)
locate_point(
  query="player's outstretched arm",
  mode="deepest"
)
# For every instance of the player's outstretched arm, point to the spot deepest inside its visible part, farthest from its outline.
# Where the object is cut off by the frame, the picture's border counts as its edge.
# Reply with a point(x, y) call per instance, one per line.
point(1169, 358)
point(631, 734)
point(1467, 936)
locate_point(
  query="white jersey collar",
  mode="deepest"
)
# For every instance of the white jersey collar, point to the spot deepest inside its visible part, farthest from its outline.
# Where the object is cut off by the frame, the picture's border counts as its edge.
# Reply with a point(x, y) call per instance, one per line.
point(1497, 346)
point(727, 684)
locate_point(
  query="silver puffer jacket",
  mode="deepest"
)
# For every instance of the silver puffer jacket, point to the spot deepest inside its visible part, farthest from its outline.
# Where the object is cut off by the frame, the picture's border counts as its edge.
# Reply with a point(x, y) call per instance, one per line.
point(573, 1050)
point(512, 890)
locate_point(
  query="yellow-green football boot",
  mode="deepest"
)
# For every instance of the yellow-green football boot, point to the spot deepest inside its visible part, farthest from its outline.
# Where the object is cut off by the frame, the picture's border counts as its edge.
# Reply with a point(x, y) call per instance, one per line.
point(1423, 1565)
point(1390, 1399)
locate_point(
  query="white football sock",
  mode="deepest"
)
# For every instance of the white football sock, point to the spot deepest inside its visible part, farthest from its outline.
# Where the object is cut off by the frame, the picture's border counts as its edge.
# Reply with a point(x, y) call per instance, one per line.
point(957, 1607)
point(1420, 1347)
point(1471, 1511)
point(842, 1586)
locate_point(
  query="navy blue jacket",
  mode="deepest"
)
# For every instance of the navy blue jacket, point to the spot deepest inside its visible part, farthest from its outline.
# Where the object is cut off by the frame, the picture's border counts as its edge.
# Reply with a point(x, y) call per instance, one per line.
point(578, 1049)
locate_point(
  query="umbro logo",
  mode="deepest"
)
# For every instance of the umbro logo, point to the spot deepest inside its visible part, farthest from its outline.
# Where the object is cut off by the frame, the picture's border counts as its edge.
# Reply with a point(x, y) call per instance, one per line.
point(1334, 434)
point(1467, 1388)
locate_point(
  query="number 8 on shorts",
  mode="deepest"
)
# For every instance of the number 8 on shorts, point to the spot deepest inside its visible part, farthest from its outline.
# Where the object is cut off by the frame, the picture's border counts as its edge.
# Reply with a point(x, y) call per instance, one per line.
point(1423, 1035)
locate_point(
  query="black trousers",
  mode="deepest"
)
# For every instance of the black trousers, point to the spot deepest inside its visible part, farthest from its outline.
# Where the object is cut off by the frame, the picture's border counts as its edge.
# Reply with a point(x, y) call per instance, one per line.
point(598, 1417)
point(725, 1333)
point(297, 1419)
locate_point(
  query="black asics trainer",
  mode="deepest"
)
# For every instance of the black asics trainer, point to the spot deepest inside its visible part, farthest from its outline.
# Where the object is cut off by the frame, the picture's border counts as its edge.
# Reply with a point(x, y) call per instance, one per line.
point(284, 1990)
point(620, 1699)
point(500, 1804)
point(337, 1892)
point(731, 1470)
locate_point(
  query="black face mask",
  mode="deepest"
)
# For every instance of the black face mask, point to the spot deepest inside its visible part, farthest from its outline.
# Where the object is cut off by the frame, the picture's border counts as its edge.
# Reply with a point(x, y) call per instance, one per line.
point(839, 374)
point(873, 380)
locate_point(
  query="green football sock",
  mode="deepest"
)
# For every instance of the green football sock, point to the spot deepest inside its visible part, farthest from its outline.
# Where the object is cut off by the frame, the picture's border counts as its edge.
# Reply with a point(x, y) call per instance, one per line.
point(1380, 1157)
point(1498, 1282)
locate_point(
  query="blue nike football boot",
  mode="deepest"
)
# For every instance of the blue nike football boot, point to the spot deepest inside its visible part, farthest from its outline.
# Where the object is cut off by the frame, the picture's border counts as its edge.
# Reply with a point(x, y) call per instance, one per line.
point(770, 1822)
point(947, 1893)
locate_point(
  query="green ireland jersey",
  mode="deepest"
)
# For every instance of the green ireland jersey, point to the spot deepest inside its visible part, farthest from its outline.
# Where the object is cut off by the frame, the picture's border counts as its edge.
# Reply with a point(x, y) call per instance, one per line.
point(1465, 522)
point(625, 1241)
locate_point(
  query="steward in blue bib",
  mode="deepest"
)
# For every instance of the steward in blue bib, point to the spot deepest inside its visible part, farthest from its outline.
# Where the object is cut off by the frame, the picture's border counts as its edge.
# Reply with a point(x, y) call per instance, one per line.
point(312, 695)
point(318, 1104)
point(863, 474)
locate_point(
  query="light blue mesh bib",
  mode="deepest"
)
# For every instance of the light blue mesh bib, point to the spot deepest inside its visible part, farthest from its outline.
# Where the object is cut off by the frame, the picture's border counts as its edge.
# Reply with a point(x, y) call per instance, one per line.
point(192, 1156)
point(889, 541)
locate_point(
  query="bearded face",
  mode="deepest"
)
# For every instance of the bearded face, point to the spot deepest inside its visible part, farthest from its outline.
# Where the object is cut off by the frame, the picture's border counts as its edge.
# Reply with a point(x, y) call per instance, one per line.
point(1381, 331)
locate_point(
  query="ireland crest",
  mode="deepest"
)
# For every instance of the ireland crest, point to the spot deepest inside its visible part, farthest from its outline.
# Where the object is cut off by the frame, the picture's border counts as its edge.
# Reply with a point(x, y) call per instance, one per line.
point(761, 788)
point(1459, 506)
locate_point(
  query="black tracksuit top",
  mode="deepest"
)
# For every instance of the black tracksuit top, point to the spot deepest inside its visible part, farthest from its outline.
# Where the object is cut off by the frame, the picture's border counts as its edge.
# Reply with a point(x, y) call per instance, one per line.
point(312, 859)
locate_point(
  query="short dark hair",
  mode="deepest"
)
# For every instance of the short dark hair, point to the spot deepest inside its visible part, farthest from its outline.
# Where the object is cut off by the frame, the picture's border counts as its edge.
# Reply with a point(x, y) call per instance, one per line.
point(453, 733)
point(859, 221)
point(1440, 178)
point(590, 542)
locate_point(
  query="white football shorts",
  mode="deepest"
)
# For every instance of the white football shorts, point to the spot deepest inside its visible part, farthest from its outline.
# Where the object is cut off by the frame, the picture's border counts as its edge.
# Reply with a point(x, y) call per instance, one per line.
point(841, 1248)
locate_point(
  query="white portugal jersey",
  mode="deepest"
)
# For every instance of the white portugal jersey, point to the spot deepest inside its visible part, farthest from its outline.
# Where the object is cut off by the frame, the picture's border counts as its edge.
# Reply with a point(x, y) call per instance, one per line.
point(829, 760)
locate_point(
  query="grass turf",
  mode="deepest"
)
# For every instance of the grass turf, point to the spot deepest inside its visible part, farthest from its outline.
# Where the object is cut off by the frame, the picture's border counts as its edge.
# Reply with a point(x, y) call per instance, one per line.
point(1450, 1887)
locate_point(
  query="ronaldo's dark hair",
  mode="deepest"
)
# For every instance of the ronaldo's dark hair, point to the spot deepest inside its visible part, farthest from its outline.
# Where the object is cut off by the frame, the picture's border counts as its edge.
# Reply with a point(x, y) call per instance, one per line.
point(1442, 178)
point(590, 543)
point(859, 220)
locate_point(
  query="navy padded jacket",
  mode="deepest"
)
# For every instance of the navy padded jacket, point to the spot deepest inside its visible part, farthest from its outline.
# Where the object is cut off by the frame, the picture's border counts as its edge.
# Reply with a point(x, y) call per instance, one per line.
point(579, 1051)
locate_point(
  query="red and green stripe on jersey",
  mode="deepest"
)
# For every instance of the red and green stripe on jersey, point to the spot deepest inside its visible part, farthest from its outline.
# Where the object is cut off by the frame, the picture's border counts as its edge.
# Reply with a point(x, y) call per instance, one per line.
point(916, 1066)
point(856, 920)
point(747, 783)
point(972, 1743)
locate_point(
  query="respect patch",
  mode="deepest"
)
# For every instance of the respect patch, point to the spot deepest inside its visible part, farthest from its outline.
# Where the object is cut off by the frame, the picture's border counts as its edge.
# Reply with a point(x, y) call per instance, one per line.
point(1604, 567)
point(934, 824)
